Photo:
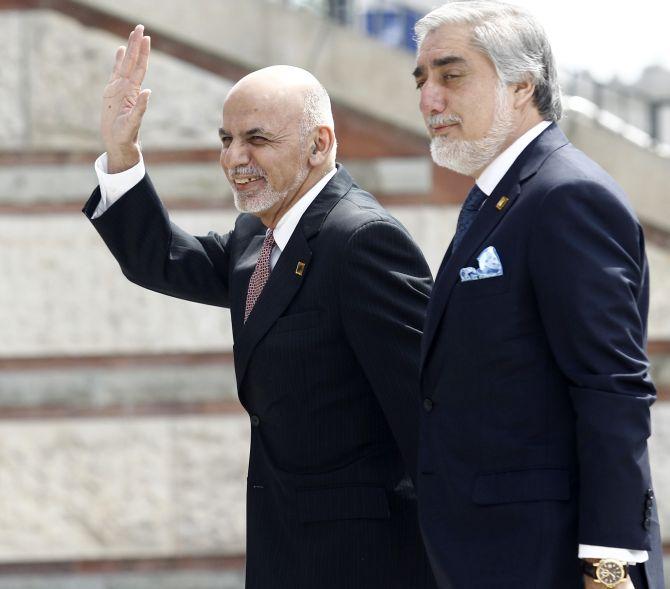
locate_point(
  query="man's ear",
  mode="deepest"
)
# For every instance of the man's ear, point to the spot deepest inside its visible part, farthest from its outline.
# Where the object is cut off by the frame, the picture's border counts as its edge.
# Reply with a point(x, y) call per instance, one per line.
point(322, 143)
point(523, 94)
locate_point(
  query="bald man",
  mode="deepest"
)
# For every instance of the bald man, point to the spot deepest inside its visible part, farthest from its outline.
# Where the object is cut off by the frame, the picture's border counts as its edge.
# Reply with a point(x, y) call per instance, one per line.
point(327, 294)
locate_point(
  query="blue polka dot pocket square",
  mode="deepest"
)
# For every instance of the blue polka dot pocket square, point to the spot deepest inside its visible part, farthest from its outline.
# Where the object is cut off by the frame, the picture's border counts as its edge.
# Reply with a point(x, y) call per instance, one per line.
point(489, 266)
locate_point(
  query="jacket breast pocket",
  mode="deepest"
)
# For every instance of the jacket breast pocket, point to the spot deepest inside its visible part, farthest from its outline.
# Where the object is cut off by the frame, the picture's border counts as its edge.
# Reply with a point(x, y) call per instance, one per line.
point(298, 321)
point(339, 503)
point(483, 287)
point(545, 484)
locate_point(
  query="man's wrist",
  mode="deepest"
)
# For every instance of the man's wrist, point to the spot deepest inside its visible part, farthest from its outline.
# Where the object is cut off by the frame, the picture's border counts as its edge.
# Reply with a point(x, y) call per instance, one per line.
point(122, 159)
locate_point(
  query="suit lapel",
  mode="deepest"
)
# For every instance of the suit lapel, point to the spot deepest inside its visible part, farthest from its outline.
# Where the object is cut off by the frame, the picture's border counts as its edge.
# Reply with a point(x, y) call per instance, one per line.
point(485, 222)
point(284, 282)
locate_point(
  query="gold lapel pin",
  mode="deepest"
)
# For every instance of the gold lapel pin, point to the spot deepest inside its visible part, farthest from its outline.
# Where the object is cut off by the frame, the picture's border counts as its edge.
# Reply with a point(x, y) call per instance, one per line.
point(300, 268)
point(502, 203)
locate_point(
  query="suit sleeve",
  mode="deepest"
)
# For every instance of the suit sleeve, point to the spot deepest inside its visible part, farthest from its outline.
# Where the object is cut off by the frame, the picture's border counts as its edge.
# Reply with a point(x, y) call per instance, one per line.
point(155, 253)
point(589, 273)
point(384, 294)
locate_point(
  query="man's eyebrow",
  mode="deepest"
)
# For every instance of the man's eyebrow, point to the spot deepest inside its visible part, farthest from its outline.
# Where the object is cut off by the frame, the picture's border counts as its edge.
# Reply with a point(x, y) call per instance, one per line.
point(249, 133)
point(439, 62)
point(258, 131)
point(448, 60)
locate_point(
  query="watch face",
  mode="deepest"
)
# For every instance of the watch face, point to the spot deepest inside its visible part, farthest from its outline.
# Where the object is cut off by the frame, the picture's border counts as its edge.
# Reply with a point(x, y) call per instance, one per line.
point(610, 572)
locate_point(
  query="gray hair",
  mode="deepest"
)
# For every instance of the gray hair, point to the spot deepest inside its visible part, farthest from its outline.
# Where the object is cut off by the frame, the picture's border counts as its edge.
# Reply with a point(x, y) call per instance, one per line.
point(317, 112)
point(512, 39)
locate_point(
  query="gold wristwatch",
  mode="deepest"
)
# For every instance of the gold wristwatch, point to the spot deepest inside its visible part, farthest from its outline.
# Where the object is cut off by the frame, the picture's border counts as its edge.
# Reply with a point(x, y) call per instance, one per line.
point(607, 571)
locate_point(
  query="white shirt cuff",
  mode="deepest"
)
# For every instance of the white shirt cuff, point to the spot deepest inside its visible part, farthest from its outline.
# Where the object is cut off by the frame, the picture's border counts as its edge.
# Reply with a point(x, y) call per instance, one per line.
point(630, 556)
point(114, 186)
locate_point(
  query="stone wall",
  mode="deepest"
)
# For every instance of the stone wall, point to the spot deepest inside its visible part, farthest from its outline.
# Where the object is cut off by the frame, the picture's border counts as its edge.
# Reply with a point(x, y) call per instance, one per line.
point(53, 75)
point(121, 439)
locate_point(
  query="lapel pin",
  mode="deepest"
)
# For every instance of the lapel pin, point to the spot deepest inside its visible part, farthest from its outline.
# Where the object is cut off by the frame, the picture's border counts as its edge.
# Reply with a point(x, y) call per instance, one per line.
point(502, 203)
point(300, 268)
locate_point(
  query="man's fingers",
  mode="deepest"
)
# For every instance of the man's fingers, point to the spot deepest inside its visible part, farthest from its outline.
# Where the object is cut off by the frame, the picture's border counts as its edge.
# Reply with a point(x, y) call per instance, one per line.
point(118, 59)
point(132, 51)
point(140, 107)
point(140, 69)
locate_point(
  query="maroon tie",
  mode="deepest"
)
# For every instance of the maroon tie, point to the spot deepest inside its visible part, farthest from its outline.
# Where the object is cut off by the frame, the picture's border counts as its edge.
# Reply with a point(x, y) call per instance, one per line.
point(260, 275)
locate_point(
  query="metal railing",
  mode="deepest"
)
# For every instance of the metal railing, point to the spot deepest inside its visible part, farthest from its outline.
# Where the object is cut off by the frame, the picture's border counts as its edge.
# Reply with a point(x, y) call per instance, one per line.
point(633, 105)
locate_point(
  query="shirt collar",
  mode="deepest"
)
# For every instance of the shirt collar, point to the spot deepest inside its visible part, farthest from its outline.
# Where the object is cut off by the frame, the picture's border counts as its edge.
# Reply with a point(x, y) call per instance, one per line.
point(287, 224)
point(494, 172)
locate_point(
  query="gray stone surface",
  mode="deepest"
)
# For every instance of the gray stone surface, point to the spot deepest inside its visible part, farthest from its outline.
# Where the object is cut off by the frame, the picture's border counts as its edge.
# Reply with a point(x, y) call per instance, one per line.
point(204, 182)
point(13, 120)
point(341, 58)
point(131, 388)
point(63, 294)
point(659, 299)
point(659, 452)
point(167, 580)
point(660, 370)
point(34, 184)
point(54, 73)
point(624, 152)
point(112, 488)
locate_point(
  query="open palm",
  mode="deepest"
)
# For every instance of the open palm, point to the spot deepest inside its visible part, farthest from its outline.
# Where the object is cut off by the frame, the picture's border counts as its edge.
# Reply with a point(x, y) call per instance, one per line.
point(124, 102)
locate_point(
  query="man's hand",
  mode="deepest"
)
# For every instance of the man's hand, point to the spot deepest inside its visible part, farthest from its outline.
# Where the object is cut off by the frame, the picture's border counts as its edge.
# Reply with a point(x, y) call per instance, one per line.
point(590, 583)
point(124, 103)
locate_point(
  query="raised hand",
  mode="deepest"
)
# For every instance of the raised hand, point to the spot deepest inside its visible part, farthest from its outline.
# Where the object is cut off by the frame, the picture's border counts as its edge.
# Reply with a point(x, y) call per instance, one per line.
point(124, 103)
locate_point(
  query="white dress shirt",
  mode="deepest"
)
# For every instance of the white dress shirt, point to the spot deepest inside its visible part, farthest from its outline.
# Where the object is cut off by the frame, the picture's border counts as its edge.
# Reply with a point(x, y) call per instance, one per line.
point(114, 186)
point(487, 181)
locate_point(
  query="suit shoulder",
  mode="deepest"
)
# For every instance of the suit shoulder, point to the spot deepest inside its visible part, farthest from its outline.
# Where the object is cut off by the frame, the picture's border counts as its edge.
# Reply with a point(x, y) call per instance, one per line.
point(570, 174)
point(357, 209)
point(247, 225)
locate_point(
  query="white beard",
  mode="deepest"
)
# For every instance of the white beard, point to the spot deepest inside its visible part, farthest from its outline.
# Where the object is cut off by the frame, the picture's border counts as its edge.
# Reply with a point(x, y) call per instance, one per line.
point(470, 156)
point(264, 199)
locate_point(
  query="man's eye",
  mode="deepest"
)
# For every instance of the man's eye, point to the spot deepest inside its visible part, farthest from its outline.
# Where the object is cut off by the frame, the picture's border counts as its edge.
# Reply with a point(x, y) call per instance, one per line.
point(226, 141)
point(450, 76)
point(419, 84)
point(257, 139)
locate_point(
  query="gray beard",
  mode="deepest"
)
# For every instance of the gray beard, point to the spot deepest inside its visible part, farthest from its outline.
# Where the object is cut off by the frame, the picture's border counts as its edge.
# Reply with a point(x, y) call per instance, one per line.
point(268, 197)
point(471, 156)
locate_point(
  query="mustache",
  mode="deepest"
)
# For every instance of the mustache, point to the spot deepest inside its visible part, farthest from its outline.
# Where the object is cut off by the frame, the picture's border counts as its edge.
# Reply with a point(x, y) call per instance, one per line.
point(442, 119)
point(245, 171)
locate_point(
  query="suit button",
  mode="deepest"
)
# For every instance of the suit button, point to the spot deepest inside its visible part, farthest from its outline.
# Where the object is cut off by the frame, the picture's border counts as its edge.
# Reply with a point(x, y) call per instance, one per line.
point(650, 493)
point(646, 524)
point(428, 405)
point(649, 503)
point(255, 420)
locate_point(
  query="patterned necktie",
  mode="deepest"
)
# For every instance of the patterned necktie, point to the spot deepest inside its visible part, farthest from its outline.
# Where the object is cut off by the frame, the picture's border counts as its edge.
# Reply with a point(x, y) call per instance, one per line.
point(471, 206)
point(260, 275)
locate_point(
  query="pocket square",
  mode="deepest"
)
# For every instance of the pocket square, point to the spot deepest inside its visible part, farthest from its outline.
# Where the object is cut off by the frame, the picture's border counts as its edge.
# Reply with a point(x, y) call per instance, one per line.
point(489, 266)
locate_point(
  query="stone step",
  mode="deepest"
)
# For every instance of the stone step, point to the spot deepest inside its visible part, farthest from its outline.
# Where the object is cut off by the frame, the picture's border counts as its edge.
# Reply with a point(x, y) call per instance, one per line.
point(215, 579)
point(98, 312)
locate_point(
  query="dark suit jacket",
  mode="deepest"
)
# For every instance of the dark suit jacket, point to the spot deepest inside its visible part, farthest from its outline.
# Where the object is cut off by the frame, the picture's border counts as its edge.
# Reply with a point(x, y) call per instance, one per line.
point(327, 368)
point(536, 391)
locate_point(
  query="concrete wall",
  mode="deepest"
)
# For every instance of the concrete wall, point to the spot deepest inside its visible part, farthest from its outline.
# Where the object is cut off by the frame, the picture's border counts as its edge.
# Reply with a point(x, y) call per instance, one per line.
point(53, 75)
point(254, 33)
point(625, 153)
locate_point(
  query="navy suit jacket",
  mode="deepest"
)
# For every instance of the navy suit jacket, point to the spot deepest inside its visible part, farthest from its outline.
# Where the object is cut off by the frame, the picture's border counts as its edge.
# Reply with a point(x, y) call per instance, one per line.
point(536, 390)
point(327, 368)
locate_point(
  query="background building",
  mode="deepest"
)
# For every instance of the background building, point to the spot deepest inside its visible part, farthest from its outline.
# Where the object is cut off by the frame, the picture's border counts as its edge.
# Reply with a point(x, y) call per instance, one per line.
point(123, 448)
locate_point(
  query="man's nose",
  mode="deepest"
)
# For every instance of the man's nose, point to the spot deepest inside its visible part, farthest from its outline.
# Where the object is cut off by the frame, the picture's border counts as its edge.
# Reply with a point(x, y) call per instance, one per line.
point(433, 99)
point(236, 154)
